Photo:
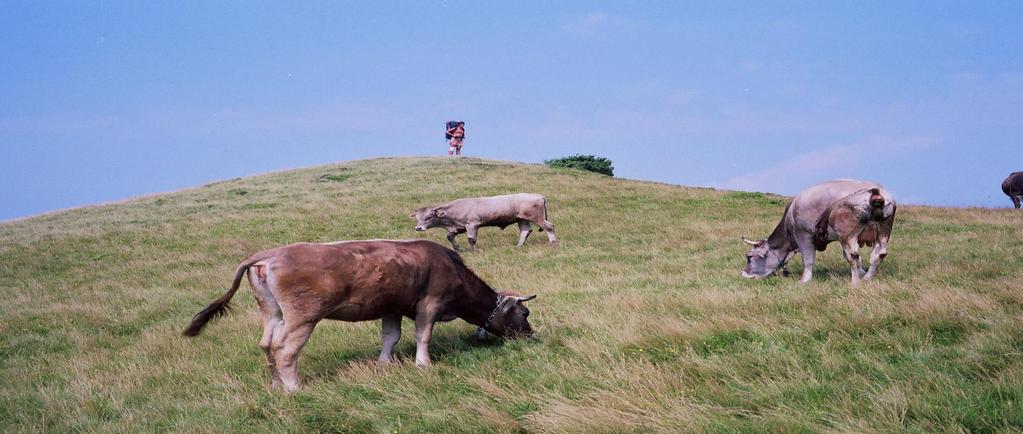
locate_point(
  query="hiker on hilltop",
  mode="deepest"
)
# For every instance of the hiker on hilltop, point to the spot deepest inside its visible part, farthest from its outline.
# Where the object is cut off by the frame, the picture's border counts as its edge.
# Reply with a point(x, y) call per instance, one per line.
point(455, 135)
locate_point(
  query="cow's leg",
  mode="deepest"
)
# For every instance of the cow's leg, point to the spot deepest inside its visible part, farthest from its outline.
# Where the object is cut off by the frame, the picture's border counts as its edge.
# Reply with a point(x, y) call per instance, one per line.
point(851, 248)
point(785, 268)
point(271, 332)
point(451, 239)
point(1016, 200)
point(287, 342)
point(809, 254)
point(524, 230)
point(269, 315)
point(876, 256)
point(470, 231)
point(548, 227)
point(271, 322)
point(390, 332)
point(884, 231)
point(424, 331)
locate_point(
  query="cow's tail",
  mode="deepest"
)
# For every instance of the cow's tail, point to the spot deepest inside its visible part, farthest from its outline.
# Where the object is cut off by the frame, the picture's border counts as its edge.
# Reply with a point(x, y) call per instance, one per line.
point(876, 204)
point(221, 305)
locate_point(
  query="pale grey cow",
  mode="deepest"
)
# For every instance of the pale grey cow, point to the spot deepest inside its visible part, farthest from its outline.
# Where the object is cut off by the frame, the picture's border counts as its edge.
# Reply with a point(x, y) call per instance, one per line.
point(853, 212)
point(468, 215)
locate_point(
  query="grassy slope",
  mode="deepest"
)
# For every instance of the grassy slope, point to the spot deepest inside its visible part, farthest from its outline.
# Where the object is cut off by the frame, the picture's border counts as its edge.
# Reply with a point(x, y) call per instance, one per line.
point(643, 322)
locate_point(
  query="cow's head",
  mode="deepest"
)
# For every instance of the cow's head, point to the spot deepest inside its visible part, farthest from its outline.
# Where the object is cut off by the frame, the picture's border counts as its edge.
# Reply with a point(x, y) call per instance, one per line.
point(426, 218)
point(510, 317)
point(761, 259)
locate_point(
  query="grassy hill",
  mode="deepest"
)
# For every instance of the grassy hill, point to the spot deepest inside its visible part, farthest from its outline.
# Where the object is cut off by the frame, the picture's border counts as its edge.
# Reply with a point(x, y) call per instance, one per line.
point(642, 321)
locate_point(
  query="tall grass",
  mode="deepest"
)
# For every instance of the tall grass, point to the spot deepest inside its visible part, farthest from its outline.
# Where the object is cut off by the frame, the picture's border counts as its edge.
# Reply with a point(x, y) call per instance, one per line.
point(642, 321)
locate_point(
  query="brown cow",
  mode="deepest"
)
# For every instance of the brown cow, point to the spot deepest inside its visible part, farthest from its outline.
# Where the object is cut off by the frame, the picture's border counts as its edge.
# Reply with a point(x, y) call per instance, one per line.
point(834, 210)
point(298, 285)
point(468, 215)
point(861, 218)
point(1013, 187)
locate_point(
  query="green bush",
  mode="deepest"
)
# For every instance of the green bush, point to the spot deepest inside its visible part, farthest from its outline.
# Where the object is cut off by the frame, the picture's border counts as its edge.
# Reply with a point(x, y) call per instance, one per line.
point(585, 162)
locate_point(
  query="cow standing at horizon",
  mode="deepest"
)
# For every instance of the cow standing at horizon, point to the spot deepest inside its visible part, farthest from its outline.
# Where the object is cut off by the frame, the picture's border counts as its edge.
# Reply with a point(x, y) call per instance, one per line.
point(1013, 187)
point(298, 285)
point(846, 210)
point(470, 214)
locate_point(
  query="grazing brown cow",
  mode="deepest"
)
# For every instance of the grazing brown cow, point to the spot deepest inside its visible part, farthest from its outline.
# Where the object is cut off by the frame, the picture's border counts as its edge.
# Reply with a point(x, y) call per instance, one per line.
point(468, 215)
point(861, 218)
point(855, 212)
point(298, 285)
point(1013, 187)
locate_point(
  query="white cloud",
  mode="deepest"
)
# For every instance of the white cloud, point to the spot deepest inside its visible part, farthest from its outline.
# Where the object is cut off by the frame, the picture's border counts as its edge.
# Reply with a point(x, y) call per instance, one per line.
point(792, 174)
point(586, 24)
point(592, 22)
point(333, 117)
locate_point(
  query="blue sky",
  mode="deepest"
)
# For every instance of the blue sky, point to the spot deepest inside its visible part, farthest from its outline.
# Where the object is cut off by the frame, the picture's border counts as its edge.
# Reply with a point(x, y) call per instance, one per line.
point(101, 101)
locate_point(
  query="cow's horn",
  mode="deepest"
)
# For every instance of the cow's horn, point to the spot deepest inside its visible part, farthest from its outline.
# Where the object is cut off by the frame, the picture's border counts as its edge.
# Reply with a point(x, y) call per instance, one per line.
point(521, 299)
point(750, 242)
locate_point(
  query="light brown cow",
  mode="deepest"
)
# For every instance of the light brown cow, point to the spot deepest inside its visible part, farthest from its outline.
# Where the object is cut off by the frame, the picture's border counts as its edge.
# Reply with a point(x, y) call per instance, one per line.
point(841, 209)
point(861, 218)
point(468, 215)
point(298, 285)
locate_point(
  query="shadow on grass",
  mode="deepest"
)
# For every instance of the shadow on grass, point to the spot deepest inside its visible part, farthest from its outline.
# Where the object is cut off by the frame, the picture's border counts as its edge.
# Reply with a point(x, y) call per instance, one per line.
point(446, 346)
point(824, 272)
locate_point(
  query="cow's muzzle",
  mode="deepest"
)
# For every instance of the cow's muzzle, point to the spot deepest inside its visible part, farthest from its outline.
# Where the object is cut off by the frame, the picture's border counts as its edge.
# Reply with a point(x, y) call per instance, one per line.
point(420, 229)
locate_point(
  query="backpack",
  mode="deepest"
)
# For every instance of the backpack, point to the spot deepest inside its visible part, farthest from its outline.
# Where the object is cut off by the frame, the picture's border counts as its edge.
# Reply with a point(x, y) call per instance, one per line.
point(448, 126)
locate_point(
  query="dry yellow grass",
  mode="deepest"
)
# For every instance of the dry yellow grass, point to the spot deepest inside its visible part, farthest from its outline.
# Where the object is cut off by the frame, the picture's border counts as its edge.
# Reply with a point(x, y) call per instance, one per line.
point(643, 323)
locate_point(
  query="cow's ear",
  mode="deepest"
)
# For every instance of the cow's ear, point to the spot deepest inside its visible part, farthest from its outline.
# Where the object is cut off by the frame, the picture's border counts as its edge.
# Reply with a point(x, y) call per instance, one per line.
point(438, 213)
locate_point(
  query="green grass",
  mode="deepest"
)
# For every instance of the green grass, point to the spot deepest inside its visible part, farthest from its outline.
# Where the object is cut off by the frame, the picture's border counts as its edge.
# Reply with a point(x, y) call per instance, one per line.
point(642, 321)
